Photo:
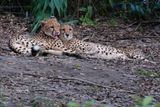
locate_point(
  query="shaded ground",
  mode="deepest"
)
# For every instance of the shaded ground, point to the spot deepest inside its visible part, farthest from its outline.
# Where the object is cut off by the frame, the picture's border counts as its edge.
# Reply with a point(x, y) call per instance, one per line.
point(65, 79)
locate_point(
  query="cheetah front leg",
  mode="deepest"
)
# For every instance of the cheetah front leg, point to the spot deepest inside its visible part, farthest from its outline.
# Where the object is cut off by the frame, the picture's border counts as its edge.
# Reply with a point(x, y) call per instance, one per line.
point(41, 51)
point(57, 52)
point(53, 52)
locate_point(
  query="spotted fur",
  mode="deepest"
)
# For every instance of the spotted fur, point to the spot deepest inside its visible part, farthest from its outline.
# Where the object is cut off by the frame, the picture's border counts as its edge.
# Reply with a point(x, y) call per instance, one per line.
point(95, 50)
point(46, 39)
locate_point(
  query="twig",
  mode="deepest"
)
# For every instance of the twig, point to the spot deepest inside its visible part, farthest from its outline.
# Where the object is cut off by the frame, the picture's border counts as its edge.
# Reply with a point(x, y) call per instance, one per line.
point(44, 90)
point(11, 80)
point(153, 21)
point(138, 26)
point(82, 80)
point(78, 79)
point(34, 75)
point(130, 25)
point(140, 37)
point(93, 83)
point(156, 34)
point(69, 78)
point(149, 34)
point(142, 22)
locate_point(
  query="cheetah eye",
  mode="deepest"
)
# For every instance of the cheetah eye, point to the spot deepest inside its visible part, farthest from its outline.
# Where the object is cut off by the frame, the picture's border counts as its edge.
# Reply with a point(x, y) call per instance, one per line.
point(52, 27)
point(63, 29)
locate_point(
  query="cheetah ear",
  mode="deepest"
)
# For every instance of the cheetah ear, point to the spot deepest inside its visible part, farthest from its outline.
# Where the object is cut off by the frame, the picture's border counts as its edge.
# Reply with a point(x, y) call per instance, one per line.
point(75, 33)
point(43, 23)
point(52, 17)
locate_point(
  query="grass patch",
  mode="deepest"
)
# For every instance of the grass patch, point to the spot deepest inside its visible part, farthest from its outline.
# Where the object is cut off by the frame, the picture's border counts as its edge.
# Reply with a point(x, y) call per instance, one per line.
point(148, 73)
point(113, 22)
point(147, 101)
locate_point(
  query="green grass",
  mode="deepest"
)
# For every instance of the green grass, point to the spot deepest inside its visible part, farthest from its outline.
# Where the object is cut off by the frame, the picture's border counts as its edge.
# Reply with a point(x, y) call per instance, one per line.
point(113, 22)
point(147, 101)
point(43, 9)
point(148, 73)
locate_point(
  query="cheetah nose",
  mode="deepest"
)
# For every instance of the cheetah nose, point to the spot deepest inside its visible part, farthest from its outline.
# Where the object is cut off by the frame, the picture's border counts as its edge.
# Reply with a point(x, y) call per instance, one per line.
point(67, 35)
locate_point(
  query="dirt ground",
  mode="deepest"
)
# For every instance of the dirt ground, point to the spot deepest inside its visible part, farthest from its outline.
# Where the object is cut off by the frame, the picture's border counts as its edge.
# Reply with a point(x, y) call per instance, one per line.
point(63, 79)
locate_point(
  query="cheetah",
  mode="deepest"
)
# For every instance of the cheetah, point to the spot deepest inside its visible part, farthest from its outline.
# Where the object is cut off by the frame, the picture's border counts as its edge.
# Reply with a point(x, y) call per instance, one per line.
point(95, 50)
point(46, 39)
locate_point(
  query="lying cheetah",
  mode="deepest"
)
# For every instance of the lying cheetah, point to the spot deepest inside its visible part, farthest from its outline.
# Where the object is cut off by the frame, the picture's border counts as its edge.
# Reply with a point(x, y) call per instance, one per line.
point(94, 50)
point(46, 39)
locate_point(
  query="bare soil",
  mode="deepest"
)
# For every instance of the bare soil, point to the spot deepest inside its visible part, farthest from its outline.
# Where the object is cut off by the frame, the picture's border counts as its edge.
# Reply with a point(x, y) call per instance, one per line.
point(63, 78)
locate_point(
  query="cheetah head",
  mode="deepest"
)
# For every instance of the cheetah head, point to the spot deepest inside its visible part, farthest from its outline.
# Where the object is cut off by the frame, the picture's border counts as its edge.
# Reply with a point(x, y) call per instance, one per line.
point(66, 32)
point(51, 27)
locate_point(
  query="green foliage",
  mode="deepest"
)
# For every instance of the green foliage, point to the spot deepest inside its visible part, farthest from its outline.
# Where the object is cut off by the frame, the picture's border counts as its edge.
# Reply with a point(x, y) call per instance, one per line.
point(46, 102)
point(113, 22)
point(127, 9)
point(145, 102)
point(2, 104)
point(87, 18)
point(43, 9)
point(39, 101)
point(73, 104)
point(135, 9)
point(104, 7)
point(91, 103)
point(2, 100)
point(148, 73)
point(140, 102)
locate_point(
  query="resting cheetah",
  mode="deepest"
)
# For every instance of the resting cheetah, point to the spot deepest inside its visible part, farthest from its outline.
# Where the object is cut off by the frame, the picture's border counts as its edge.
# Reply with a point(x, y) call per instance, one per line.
point(94, 50)
point(46, 39)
